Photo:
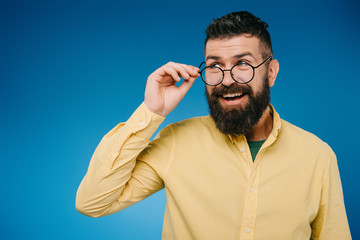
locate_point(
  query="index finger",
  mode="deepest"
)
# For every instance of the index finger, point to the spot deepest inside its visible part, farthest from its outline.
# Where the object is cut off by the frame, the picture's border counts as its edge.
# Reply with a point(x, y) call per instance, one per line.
point(193, 71)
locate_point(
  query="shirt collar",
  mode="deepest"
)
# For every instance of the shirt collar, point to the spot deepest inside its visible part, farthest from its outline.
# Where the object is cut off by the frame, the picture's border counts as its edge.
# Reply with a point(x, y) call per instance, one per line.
point(276, 122)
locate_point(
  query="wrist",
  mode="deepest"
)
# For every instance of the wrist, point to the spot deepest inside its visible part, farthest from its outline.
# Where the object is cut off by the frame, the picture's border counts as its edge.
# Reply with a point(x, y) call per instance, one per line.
point(154, 110)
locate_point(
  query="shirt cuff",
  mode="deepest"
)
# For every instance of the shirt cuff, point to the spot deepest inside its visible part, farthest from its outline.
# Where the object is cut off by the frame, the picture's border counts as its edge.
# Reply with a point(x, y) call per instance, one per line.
point(143, 122)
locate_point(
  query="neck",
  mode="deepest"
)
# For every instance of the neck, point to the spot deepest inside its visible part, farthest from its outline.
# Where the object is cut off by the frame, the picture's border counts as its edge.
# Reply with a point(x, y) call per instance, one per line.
point(263, 128)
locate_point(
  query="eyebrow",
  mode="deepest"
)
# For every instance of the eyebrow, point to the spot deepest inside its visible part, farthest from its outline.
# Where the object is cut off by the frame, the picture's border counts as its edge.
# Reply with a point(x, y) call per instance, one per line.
point(236, 56)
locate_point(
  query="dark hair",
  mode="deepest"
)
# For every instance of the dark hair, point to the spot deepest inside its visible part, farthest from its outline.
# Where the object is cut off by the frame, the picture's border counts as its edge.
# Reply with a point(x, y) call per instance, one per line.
point(238, 23)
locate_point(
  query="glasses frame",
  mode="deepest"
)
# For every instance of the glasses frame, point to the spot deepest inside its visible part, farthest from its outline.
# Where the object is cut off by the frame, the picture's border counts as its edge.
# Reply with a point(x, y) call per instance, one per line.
point(230, 70)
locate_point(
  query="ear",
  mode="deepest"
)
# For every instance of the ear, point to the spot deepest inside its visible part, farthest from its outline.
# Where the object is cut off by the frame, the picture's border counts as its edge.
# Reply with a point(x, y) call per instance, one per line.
point(273, 71)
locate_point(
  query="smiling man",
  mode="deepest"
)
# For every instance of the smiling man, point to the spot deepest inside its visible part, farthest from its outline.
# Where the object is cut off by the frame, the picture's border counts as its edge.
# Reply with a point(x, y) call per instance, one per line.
point(240, 173)
point(239, 97)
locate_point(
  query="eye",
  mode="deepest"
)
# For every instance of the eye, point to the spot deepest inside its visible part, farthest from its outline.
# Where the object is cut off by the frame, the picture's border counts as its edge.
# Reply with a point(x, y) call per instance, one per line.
point(242, 62)
point(215, 65)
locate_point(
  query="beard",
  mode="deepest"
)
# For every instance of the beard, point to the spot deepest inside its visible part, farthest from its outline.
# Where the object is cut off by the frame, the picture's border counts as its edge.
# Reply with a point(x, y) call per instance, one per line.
point(238, 121)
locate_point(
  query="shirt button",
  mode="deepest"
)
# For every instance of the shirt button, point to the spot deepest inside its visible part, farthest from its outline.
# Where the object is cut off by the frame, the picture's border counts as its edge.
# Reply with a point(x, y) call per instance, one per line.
point(242, 150)
point(251, 189)
point(247, 230)
point(142, 123)
point(117, 149)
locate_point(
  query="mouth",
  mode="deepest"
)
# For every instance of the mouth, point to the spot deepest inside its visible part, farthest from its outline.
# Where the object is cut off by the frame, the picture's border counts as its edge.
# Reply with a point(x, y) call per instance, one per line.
point(233, 97)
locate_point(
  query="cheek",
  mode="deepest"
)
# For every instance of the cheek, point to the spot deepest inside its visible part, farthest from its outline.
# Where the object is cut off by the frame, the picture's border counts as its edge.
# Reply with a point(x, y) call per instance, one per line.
point(209, 90)
point(255, 88)
point(258, 82)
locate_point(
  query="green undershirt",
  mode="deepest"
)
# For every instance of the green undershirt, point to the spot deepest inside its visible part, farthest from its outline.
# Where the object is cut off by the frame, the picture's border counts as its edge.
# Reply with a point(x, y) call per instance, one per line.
point(255, 147)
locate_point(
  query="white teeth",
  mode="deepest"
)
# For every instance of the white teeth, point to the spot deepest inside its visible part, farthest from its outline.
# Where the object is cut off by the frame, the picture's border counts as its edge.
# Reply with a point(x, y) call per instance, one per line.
point(231, 95)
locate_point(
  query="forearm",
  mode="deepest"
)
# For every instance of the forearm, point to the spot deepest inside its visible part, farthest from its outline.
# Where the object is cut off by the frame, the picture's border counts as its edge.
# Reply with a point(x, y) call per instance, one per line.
point(112, 164)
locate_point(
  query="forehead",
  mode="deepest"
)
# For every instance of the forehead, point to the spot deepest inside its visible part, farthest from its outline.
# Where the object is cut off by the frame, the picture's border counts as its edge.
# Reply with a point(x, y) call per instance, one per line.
point(229, 47)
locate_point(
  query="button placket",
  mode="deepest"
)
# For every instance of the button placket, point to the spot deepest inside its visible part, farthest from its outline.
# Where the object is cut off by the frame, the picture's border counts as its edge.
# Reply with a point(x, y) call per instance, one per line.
point(250, 206)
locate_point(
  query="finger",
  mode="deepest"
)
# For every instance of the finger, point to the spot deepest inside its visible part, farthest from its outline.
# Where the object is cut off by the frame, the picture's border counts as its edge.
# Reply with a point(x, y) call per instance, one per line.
point(172, 72)
point(192, 71)
point(177, 70)
point(186, 85)
point(169, 70)
point(181, 69)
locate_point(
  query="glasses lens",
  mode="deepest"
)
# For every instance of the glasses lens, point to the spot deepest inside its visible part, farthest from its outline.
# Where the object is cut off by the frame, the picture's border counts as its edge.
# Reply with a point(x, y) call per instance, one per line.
point(212, 75)
point(242, 73)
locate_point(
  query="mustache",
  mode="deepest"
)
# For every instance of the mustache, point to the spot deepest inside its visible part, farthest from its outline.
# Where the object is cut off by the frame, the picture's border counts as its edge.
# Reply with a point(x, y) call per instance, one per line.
point(233, 88)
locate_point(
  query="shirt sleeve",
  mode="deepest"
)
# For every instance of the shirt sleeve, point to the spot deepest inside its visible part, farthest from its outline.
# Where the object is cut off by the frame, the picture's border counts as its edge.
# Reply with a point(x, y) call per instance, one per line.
point(331, 221)
point(115, 179)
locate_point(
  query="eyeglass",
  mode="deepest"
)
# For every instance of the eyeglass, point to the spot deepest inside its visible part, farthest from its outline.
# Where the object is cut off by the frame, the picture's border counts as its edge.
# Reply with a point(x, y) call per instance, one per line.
point(242, 73)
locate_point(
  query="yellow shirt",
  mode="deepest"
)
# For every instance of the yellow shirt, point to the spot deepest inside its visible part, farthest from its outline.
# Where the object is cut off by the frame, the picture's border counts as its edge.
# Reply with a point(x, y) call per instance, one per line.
point(214, 190)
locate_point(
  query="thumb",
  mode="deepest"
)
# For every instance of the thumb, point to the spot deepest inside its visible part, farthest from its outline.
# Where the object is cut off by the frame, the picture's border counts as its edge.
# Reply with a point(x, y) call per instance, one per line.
point(186, 85)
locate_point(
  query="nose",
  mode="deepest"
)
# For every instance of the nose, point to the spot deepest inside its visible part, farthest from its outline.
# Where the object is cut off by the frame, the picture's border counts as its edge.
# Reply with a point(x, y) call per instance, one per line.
point(228, 80)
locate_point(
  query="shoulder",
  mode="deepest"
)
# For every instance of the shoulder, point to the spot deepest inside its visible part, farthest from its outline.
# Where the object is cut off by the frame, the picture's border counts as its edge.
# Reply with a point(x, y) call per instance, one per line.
point(297, 132)
point(190, 123)
point(182, 134)
point(304, 140)
point(192, 127)
point(195, 124)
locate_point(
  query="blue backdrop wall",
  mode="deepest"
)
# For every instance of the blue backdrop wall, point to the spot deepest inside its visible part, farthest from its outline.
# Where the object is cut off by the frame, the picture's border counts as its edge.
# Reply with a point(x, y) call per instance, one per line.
point(71, 70)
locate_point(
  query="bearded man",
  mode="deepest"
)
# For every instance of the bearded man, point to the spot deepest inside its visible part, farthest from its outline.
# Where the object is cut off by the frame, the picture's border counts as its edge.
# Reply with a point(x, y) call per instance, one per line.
point(240, 173)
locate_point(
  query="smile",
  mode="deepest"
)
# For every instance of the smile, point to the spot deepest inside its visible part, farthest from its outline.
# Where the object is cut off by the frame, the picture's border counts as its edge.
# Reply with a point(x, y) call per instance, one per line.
point(232, 96)
point(232, 99)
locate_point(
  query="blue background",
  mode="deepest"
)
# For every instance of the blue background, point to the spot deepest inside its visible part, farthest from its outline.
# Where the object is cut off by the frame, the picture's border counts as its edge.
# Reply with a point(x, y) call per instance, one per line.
point(71, 70)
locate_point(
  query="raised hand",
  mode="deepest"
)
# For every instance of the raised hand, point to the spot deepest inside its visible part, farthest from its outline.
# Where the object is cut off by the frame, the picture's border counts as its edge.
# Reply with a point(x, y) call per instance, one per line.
point(161, 93)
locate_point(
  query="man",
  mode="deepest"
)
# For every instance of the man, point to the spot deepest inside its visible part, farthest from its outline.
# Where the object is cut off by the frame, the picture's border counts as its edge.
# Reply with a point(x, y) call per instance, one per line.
point(240, 173)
